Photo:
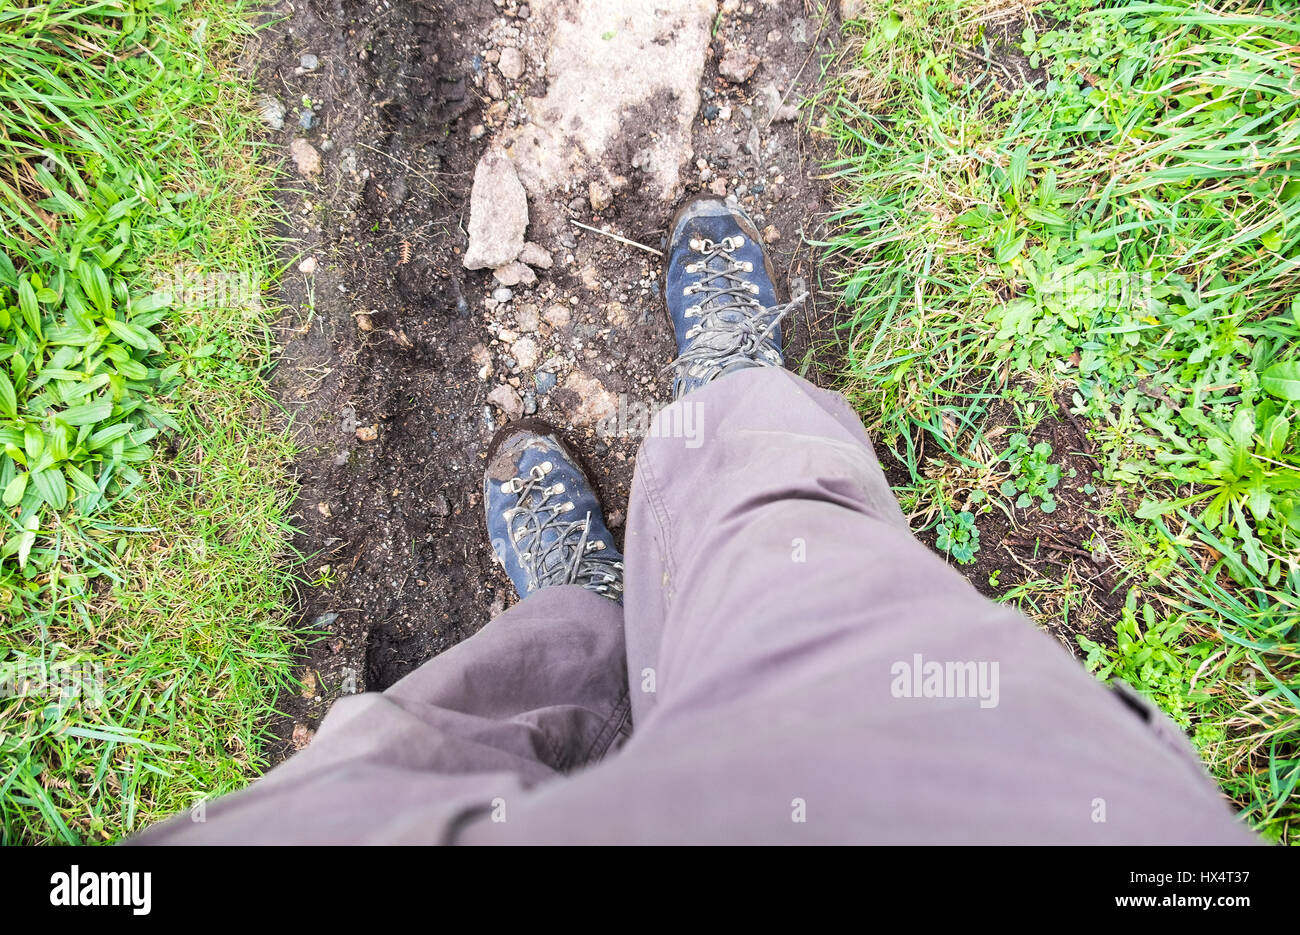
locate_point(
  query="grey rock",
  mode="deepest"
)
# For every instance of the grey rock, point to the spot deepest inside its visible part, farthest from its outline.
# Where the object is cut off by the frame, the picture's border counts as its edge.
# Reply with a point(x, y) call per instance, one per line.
point(514, 274)
point(545, 382)
point(511, 64)
point(272, 112)
point(502, 294)
point(309, 62)
point(535, 255)
point(306, 119)
point(504, 397)
point(498, 213)
point(738, 64)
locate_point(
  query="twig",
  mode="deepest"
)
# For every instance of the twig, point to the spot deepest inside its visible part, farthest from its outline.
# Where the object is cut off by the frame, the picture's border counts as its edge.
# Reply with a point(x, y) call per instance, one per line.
point(1050, 545)
point(630, 243)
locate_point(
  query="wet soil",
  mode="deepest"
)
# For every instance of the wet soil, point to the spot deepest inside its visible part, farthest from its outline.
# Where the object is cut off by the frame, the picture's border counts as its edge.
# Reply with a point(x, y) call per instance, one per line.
point(1078, 587)
point(391, 348)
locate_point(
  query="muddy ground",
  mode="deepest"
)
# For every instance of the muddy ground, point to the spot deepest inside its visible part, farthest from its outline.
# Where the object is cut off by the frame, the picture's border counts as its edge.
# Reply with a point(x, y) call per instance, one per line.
point(1059, 567)
point(392, 348)
point(399, 363)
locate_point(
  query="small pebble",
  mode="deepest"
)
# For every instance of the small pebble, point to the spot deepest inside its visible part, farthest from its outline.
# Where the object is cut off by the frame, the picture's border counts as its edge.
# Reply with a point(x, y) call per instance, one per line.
point(272, 113)
point(309, 62)
point(502, 294)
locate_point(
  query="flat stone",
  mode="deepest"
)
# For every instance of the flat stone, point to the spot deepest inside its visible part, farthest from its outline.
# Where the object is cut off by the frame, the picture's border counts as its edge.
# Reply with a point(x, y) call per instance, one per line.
point(511, 64)
point(536, 255)
point(528, 318)
point(307, 160)
point(498, 213)
point(590, 401)
point(738, 64)
point(557, 316)
point(640, 77)
point(525, 353)
point(507, 400)
point(514, 274)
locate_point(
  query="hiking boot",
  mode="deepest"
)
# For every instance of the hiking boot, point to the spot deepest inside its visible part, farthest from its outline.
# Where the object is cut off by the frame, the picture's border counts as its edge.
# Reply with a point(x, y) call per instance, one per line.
point(721, 295)
point(543, 514)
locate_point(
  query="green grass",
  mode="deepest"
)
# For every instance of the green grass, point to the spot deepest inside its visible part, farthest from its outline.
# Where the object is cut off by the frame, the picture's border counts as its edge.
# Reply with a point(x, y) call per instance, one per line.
point(1127, 236)
point(143, 475)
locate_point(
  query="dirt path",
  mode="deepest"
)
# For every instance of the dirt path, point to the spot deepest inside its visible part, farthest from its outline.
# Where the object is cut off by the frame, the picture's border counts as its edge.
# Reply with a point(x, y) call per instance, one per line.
point(399, 362)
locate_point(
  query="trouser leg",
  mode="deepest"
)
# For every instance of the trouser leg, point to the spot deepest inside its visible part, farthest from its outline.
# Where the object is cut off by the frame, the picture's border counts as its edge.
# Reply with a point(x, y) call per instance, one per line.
point(538, 692)
point(782, 627)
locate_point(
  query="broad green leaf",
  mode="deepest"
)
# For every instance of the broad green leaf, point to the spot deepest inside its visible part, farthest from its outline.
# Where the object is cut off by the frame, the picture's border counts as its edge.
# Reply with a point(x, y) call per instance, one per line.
point(88, 413)
point(1282, 380)
point(95, 283)
point(8, 398)
point(15, 489)
point(52, 486)
point(27, 539)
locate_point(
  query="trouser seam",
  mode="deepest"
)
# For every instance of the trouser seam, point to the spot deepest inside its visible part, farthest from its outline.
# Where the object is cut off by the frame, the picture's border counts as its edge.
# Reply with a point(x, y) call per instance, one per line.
point(610, 729)
point(658, 510)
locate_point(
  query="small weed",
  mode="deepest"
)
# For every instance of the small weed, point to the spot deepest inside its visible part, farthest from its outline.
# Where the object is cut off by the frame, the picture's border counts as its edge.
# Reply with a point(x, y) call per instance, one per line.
point(1033, 475)
point(1152, 651)
point(958, 536)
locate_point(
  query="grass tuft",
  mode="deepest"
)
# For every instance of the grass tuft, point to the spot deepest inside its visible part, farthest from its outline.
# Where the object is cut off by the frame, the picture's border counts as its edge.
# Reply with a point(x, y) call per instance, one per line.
point(1098, 200)
point(146, 504)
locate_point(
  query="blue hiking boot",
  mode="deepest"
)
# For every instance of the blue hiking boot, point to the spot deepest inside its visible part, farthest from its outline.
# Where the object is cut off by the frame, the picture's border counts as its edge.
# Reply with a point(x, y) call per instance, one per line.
point(721, 294)
point(543, 515)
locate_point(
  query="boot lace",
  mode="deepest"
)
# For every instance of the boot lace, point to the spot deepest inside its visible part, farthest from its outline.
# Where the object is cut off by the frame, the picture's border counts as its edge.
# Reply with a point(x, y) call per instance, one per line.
point(731, 328)
point(569, 556)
